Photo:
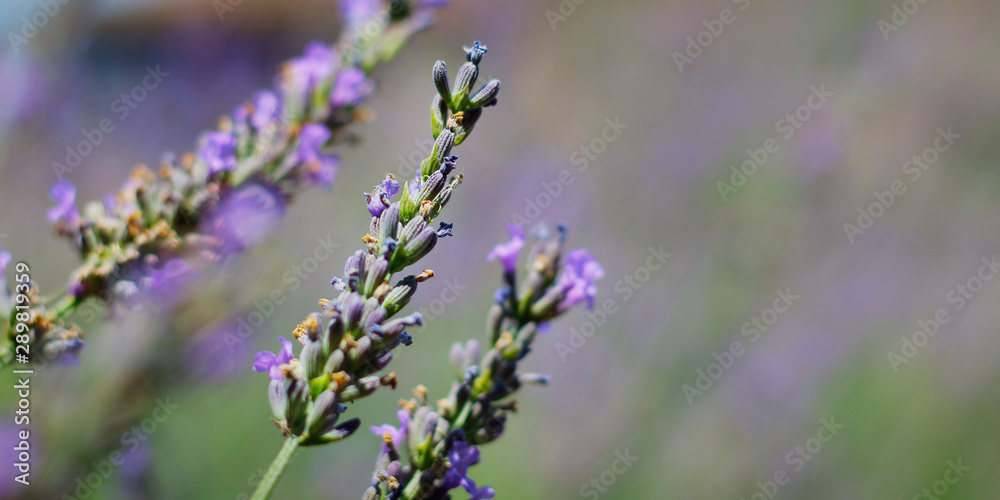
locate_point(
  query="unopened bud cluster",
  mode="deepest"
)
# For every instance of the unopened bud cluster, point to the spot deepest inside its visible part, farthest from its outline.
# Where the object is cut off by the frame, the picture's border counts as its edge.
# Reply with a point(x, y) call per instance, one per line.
point(346, 344)
point(433, 448)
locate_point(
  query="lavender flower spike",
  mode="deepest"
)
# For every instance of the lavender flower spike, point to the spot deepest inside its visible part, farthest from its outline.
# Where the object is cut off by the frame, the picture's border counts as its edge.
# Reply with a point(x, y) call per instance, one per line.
point(267, 361)
point(64, 194)
point(507, 252)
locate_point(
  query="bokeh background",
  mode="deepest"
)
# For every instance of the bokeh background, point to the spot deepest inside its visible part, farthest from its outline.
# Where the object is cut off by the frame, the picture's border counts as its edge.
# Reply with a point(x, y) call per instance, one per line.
point(826, 359)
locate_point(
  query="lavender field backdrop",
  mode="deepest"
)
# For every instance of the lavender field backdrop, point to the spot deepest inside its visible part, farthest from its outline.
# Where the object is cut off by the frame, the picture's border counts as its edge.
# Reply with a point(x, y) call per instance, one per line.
point(792, 203)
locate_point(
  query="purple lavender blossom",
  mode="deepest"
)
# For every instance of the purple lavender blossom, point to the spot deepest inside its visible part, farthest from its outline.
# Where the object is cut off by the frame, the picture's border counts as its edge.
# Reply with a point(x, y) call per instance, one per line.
point(398, 436)
point(64, 194)
point(217, 353)
point(507, 252)
point(245, 217)
point(577, 280)
point(265, 109)
point(267, 361)
point(134, 471)
point(317, 64)
point(358, 11)
point(219, 151)
point(4, 260)
point(378, 199)
point(166, 281)
point(350, 88)
point(461, 456)
point(322, 169)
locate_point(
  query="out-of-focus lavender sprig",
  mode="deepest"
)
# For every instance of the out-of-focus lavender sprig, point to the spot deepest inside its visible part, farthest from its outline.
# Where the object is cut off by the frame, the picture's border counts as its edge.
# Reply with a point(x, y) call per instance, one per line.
point(431, 452)
point(271, 147)
point(353, 337)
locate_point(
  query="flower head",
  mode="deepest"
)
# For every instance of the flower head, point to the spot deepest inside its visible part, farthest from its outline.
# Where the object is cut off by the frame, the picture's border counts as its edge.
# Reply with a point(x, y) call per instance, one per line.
point(358, 11)
point(265, 109)
point(317, 64)
point(349, 88)
point(507, 252)
point(245, 217)
point(320, 168)
point(392, 435)
point(269, 362)
point(577, 280)
point(461, 456)
point(64, 194)
point(378, 199)
point(219, 151)
point(167, 280)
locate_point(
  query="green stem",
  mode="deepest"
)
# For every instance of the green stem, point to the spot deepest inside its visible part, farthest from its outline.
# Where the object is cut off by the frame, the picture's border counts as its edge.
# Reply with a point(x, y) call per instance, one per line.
point(277, 467)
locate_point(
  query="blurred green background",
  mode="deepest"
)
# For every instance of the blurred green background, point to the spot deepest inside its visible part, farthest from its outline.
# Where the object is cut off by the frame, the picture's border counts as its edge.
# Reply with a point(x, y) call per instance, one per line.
point(688, 110)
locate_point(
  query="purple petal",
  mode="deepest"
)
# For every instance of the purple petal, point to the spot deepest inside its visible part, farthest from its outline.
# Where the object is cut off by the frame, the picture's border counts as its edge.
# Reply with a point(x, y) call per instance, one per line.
point(265, 109)
point(350, 87)
point(264, 361)
point(507, 252)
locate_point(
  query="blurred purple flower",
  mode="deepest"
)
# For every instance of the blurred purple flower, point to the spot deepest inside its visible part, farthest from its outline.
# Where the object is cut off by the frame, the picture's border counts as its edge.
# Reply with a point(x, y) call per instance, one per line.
point(267, 361)
point(434, 4)
point(507, 252)
point(219, 151)
point(351, 86)
point(265, 109)
point(245, 217)
point(317, 64)
point(579, 275)
point(64, 194)
point(379, 198)
point(134, 471)
point(398, 436)
point(4, 260)
point(166, 281)
point(322, 169)
point(218, 352)
point(461, 456)
point(358, 11)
